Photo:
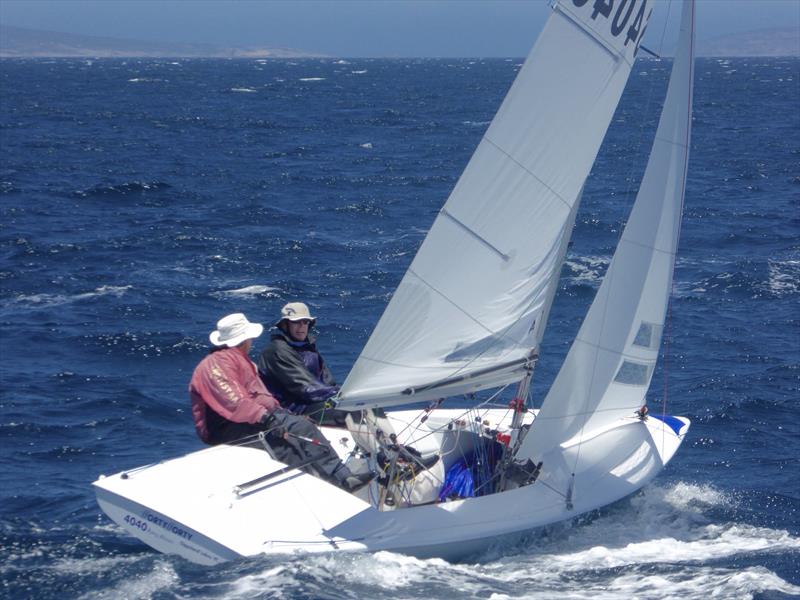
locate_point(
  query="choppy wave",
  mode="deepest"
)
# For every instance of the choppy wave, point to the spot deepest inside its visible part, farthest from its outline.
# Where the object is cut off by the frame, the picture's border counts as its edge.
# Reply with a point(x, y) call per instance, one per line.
point(145, 344)
point(122, 189)
point(784, 277)
point(586, 270)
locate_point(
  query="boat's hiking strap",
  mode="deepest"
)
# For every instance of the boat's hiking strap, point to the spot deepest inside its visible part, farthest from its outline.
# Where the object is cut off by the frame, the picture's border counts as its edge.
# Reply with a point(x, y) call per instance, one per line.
point(247, 485)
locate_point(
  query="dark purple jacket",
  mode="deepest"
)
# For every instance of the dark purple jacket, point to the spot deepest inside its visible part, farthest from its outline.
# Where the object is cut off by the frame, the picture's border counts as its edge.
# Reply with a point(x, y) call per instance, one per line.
point(295, 372)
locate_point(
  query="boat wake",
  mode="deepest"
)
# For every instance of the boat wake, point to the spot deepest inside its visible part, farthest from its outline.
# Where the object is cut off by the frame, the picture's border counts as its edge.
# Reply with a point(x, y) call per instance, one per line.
point(652, 545)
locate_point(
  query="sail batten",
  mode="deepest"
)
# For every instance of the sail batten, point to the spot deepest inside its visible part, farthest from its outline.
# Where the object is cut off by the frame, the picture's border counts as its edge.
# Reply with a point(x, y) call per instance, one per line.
point(479, 289)
point(476, 235)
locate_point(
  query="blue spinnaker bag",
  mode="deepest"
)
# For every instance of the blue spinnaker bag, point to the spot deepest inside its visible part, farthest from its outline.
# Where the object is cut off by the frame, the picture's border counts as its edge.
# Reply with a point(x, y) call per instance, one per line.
point(458, 482)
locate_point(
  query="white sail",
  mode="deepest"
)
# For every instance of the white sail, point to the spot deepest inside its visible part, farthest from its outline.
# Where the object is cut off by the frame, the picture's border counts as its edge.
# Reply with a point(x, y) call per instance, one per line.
point(609, 367)
point(468, 313)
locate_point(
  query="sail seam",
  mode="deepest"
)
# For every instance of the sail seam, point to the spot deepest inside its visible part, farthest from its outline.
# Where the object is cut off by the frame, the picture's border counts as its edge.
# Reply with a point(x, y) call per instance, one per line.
point(395, 364)
point(623, 240)
point(465, 313)
point(677, 143)
point(528, 171)
point(611, 350)
point(448, 299)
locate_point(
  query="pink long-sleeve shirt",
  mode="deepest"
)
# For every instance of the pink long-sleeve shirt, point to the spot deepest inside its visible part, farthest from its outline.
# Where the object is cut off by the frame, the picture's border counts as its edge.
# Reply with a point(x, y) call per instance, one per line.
point(227, 382)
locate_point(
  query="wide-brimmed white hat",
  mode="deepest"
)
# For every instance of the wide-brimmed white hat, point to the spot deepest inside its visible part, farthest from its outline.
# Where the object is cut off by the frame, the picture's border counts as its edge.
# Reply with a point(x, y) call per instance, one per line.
point(296, 311)
point(233, 330)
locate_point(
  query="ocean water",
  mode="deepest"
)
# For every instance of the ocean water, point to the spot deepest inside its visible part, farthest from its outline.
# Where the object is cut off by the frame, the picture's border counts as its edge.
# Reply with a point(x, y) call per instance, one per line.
point(141, 200)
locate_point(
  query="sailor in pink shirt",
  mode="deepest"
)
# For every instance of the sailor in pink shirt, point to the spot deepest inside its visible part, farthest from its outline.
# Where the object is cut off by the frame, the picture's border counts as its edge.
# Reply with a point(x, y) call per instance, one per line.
point(227, 383)
point(230, 402)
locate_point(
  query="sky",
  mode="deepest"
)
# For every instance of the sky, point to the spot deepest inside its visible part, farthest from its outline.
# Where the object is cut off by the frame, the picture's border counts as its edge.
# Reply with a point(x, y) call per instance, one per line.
point(361, 27)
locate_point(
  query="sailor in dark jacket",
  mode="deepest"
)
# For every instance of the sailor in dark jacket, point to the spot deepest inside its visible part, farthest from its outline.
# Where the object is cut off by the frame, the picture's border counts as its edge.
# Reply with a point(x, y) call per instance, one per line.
point(295, 372)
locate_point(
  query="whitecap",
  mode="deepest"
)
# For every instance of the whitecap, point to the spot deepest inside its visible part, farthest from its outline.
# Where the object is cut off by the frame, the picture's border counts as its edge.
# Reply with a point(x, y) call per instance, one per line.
point(587, 269)
point(784, 277)
point(87, 566)
point(250, 290)
point(367, 145)
point(312, 79)
point(272, 582)
point(161, 577)
point(690, 582)
point(47, 300)
point(243, 89)
point(359, 72)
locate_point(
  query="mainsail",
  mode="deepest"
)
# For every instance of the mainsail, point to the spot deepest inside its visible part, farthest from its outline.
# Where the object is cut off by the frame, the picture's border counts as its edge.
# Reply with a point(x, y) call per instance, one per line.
point(609, 367)
point(470, 310)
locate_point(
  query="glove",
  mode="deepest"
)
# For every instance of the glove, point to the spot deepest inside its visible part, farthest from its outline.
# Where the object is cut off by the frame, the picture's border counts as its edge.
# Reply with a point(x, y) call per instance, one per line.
point(332, 401)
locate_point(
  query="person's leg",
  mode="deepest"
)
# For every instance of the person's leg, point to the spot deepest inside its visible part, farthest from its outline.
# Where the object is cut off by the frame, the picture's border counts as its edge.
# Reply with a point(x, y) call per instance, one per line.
point(321, 414)
point(227, 432)
point(302, 442)
point(306, 442)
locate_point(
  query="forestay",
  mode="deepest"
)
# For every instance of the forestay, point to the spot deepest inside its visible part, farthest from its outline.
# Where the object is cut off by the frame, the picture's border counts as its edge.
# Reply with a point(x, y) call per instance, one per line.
point(610, 364)
point(471, 308)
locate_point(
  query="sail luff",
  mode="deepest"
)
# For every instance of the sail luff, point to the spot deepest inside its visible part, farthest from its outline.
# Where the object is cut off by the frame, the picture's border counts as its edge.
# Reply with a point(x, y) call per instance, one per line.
point(483, 276)
point(609, 367)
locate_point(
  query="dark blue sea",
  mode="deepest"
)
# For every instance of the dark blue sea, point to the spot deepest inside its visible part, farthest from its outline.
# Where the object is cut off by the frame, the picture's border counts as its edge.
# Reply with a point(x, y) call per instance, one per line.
point(142, 200)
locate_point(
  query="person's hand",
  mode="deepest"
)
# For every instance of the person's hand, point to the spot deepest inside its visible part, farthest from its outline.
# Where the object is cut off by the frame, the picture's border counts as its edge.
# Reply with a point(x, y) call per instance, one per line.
point(272, 425)
point(333, 400)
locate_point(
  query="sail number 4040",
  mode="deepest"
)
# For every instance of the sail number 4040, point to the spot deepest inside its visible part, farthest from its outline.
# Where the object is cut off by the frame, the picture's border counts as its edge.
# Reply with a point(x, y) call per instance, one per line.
point(621, 17)
point(134, 522)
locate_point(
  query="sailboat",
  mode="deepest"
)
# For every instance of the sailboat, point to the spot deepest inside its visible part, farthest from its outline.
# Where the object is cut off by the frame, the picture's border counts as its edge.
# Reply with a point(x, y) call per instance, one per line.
point(505, 227)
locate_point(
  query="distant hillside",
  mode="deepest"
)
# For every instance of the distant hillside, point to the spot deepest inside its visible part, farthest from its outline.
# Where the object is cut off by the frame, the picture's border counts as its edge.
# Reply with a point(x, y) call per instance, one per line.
point(17, 42)
point(22, 43)
point(781, 41)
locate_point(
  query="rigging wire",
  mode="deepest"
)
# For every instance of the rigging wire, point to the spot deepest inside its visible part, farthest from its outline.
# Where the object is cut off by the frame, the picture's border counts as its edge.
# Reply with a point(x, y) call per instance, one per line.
point(668, 327)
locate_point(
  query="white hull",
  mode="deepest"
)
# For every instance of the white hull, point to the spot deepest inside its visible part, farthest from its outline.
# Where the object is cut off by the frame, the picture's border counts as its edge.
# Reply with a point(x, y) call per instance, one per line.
point(190, 506)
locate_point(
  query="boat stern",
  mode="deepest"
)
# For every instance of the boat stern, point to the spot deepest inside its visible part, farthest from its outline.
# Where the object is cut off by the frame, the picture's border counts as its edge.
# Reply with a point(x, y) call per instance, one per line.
point(157, 530)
